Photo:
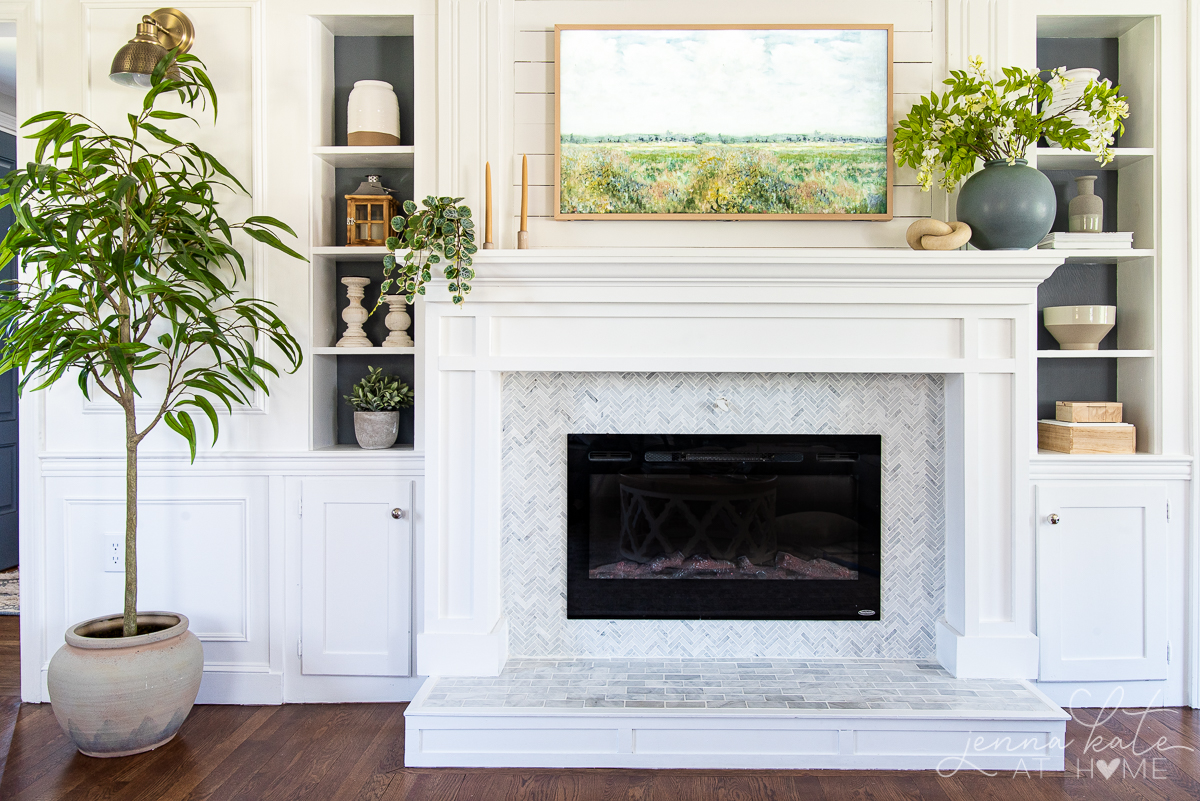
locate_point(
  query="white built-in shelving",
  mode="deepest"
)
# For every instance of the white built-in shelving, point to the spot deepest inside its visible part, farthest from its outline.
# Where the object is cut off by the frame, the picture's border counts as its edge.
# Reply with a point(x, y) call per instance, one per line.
point(332, 366)
point(367, 157)
point(1135, 174)
point(1056, 158)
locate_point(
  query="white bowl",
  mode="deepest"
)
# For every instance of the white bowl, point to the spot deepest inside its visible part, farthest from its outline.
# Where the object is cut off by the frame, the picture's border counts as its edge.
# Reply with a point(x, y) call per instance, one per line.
point(1079, 327)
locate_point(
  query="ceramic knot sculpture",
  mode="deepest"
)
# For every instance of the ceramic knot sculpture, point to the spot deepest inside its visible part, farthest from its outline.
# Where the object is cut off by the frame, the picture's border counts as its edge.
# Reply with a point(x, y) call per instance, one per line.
point(937, 235)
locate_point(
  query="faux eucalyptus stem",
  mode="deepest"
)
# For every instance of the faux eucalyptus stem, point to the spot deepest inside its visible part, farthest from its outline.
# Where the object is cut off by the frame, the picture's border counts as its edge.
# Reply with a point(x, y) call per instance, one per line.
point(128, 267)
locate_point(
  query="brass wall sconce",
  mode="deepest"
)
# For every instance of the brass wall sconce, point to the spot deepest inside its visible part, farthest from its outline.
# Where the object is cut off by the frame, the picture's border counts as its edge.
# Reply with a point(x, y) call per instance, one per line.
point(157, 33)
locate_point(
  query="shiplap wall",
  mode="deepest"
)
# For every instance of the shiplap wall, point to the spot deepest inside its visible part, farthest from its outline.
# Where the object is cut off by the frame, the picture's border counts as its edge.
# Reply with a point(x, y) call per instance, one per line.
point(533, 115)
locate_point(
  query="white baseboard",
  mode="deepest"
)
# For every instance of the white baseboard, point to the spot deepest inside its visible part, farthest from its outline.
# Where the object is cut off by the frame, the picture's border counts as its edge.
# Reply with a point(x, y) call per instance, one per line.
point(1110, 694)
point(240, 687)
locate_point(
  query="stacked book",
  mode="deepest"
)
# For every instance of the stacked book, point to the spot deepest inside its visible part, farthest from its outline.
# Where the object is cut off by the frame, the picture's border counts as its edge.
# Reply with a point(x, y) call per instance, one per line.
point(1065, 241)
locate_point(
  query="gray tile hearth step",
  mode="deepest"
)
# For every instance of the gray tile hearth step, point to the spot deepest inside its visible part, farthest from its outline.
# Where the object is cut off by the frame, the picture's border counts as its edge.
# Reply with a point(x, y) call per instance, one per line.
point(731, 713)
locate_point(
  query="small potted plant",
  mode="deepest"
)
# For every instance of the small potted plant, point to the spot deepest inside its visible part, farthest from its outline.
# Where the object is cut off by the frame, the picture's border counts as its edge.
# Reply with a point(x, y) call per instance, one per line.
point(1008, 204)
point(377, 400)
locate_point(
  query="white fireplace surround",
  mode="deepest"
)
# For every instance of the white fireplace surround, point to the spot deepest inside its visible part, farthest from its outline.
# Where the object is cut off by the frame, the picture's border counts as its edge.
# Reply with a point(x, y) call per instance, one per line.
point(967, 315)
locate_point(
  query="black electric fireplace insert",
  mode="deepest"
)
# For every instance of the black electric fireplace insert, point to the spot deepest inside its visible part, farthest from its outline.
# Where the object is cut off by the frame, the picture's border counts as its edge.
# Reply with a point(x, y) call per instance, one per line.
point(719, 526)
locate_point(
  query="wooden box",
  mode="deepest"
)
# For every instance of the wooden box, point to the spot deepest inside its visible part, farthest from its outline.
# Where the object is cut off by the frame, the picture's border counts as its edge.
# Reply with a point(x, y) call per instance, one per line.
point(1055, 435)
point(1087, 412)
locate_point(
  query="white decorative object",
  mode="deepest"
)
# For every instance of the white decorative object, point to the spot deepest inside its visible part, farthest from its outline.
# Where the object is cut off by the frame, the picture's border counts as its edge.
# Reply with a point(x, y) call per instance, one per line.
point(372, 115)
point(1077, 81)
point(1085, 213)
point(1079, 327)
point(355, 315)
point(397, 322)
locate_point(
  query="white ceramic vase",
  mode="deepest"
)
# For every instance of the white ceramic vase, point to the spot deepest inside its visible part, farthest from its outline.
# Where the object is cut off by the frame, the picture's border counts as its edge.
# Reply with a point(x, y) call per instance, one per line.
point(373, 115)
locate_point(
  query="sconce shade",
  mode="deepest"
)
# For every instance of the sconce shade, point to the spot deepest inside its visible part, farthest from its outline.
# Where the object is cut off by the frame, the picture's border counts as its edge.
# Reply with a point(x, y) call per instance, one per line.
point(157, 33)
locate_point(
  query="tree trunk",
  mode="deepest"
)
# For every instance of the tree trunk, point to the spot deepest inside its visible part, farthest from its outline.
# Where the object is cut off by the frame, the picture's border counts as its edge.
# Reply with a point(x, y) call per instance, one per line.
point(129, 628)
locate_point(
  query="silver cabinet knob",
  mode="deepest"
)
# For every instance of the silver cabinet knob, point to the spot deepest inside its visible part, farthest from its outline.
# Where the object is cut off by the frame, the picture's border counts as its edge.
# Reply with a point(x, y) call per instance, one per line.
point(1053, 519)
point(397, 514)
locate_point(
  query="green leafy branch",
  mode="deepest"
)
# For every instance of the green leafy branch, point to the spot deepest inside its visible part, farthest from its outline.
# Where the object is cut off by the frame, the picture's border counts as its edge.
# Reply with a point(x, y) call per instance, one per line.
point(981, 119)
point(128, 267)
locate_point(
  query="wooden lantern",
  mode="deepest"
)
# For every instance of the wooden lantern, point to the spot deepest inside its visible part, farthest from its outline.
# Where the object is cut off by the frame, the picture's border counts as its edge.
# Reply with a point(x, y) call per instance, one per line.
point(369, 210)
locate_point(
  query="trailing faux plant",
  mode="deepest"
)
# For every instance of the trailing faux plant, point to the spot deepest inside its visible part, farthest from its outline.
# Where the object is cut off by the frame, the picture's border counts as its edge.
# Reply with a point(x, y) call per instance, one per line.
point(981, 119)
point(440, 233)
point(377, 392)
point(129, 271)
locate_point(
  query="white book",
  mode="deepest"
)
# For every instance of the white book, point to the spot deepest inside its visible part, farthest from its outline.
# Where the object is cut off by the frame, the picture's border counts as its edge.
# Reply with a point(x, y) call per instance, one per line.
point(1066, 424)
point(1115, 239)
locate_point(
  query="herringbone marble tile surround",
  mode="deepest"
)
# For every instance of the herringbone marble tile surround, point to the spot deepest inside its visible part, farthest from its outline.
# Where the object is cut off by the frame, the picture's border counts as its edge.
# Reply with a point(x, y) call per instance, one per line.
point(540, 409)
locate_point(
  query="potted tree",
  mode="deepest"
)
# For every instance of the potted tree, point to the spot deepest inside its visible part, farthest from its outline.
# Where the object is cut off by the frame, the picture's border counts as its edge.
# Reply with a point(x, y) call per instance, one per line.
point(377, 400)
point(130, 271)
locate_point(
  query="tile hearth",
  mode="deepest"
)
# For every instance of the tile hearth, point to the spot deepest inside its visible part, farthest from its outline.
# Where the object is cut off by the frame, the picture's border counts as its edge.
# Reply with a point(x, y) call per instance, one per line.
point(756, 684)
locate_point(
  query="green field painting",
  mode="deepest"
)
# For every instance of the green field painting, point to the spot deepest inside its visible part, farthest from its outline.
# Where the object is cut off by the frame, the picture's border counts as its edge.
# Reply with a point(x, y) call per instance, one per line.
point(737, 121)
point(720, 178)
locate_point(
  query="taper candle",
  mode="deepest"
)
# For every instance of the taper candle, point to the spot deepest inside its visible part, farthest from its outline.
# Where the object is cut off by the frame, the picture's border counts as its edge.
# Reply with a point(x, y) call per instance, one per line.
point(487, 207)
point(523, 234)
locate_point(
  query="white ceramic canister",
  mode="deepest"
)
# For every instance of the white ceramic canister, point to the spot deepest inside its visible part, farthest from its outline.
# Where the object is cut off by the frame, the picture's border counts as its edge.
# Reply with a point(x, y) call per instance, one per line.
point(373, 115)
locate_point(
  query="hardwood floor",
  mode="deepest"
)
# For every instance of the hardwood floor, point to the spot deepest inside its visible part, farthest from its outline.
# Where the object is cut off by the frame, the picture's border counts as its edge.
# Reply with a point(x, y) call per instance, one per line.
point(347, 752)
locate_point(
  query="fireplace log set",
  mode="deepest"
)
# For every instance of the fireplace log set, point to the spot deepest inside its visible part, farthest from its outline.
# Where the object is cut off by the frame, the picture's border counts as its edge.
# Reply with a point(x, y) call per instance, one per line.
point(676, 566)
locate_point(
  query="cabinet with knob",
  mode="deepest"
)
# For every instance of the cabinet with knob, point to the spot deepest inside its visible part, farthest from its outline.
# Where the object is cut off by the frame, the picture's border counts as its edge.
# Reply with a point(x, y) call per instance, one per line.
point(356, 575)
point(1102, 608)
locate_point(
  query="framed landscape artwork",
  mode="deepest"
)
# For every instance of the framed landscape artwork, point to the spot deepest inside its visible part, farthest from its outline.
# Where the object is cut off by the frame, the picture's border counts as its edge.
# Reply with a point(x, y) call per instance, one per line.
point(731, 122)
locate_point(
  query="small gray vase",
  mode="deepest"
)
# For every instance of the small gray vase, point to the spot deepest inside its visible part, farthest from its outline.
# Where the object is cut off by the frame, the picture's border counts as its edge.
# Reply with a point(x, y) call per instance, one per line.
point(375, 430)
point(1008, 206)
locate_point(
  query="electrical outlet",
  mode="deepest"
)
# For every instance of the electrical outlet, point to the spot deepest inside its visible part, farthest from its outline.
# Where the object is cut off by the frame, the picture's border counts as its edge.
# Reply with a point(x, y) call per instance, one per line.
point(114, 553)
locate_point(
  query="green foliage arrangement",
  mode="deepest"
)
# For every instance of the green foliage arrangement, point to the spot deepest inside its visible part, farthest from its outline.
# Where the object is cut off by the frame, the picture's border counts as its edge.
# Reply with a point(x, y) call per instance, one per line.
point(978, 118)
point(440, 233)
point(129, 270)
point(377, 392)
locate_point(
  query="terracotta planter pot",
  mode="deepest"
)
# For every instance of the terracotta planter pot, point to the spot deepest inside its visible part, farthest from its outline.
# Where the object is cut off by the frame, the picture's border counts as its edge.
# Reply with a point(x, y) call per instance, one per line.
point(375, 430)
point(116, 696)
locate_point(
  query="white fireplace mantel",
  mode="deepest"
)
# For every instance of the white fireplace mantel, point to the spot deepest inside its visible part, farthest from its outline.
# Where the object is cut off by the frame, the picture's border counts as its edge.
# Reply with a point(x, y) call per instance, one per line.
point(967, 315)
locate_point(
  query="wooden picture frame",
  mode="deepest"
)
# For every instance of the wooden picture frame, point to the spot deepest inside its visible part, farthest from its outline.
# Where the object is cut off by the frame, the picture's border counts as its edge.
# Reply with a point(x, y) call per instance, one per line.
point(861, 153)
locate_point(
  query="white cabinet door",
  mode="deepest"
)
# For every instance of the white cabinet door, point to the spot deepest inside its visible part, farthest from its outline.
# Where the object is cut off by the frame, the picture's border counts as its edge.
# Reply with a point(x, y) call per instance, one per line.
point(356, 576)
point(1102, 584)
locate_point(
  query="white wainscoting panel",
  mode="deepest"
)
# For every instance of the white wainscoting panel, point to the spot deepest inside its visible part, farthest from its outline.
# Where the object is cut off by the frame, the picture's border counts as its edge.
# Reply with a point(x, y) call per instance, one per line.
point(202, 551)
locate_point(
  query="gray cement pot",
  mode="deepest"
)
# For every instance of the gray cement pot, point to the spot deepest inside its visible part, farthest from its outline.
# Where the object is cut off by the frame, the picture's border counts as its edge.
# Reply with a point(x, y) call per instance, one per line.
point(115, 696)
point(375, 430)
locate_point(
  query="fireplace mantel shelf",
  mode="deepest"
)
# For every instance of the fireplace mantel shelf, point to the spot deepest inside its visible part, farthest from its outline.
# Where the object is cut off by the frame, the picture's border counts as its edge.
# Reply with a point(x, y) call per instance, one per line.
point(715, 267)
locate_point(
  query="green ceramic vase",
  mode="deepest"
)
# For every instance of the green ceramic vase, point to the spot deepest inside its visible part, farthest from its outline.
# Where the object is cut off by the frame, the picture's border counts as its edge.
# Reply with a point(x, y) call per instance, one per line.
point(1008, 206)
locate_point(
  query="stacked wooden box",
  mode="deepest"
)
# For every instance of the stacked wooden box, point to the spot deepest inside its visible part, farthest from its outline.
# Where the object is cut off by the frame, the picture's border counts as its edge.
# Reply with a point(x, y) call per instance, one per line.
point(1086, 427)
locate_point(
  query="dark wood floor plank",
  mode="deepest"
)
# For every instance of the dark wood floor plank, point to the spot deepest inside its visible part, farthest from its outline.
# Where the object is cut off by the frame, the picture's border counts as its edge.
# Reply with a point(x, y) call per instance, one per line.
point(10, 655)
point(209, 736)
point(10, 708)
point(240, 766)
point(371, 774)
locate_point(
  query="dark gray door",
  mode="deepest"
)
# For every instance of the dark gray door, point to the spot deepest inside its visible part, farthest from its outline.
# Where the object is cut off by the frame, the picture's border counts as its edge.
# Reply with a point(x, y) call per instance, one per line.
point(8, 401)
